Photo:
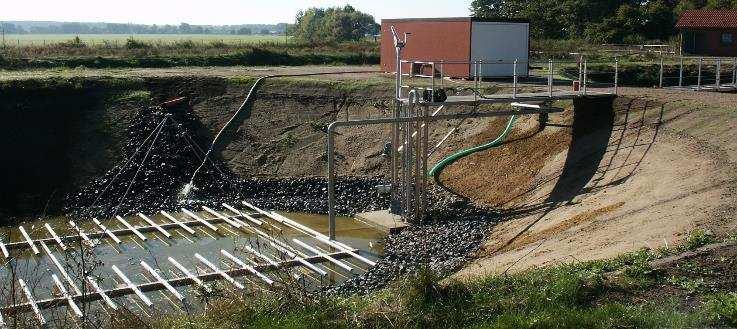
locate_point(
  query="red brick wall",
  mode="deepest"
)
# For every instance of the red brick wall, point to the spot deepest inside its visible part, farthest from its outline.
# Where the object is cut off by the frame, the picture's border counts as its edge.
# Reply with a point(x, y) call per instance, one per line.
point(430, 41)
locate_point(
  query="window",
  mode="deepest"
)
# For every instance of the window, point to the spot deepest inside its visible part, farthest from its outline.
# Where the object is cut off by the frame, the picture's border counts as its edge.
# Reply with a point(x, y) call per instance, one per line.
point(726, 38)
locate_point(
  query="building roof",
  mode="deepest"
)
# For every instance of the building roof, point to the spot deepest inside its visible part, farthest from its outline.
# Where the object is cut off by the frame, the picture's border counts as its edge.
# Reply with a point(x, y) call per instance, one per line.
point(454, 19)
point(708, 19)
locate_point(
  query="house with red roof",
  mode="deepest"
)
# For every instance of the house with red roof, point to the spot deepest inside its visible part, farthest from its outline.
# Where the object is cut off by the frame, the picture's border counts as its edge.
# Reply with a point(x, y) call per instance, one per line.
point(708, 32)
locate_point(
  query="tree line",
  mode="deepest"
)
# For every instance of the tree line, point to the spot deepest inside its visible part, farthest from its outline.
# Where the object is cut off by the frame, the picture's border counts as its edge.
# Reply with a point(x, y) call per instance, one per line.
point(600, 21)
point(115, 28)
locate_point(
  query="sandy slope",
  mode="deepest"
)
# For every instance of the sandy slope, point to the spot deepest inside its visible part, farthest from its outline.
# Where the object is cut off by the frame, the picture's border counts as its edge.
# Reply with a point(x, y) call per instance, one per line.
point(665, 167)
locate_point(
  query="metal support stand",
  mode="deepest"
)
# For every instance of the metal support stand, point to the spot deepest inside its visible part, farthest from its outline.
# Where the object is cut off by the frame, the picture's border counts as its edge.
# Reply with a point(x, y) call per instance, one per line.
point(616, 75)
point(718, 74)
point(514, 80)
point(660, 83)
point(698, 78)
point(550, 77)
point(680, 74)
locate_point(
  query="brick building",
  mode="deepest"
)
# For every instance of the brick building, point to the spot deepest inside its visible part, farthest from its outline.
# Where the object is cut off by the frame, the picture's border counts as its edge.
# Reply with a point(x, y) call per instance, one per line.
point(708, 32)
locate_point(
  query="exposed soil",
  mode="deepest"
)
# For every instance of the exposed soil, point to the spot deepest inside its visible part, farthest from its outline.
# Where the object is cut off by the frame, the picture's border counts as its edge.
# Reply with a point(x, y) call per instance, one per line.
point(662, 169)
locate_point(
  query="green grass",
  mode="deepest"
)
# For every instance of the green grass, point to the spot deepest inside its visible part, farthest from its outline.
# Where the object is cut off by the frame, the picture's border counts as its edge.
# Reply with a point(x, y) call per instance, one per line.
point(120, 39)
point(567, 296)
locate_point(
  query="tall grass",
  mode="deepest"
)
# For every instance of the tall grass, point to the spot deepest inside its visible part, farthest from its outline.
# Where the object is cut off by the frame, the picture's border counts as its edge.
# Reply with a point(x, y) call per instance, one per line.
point(140, 53)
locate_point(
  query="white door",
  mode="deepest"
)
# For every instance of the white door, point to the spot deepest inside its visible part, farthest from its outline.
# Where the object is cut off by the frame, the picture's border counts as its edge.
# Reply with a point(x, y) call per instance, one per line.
point(499, 44)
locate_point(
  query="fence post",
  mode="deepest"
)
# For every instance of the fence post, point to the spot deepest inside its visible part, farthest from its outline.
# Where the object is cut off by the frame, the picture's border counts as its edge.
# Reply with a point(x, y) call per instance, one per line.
point(734, 72)
point(698, 81)
point(442, 75)
point(432, 92)
point(585, 77)
point(616, 75)
point(680, 74)
point(550, 78)
point(718, 73)
point(661, 71)
point(514, 80)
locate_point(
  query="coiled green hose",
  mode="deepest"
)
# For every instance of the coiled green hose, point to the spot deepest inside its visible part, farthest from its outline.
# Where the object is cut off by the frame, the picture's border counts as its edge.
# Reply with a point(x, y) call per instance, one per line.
point(440, 166)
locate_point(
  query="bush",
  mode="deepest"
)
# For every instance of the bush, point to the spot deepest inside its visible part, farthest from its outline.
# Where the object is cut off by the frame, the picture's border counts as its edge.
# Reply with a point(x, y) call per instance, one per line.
point(136, 44)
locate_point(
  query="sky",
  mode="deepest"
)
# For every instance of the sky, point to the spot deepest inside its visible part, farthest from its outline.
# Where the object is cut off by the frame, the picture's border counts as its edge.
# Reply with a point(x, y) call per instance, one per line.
point(214, 12)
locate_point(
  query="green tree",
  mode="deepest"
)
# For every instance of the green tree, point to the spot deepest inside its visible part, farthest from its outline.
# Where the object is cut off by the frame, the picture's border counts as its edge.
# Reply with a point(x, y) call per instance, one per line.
point(317, 25)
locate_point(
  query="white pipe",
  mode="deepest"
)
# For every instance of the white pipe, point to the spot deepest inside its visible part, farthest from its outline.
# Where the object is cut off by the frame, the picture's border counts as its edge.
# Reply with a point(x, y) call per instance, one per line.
point(219, 271)
point(66, 295)
point(251, 219)
point(133, 287)
point(31, 301)
point(130, 227)
point(104, 229)
point(161, 280)
point(197, 218)
point(189, 274)
point(82, 234)
point(102, 294)
point(61, 269)
point(156, 226)
point(235, 224)
point(247, 267)
point(328, 258)
point(55, 236)
point(175, 221)
point(28, 240)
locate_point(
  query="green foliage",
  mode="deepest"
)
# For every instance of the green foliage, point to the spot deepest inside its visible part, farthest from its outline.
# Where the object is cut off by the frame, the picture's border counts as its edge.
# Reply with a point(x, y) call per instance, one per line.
point(616, 21)
point(725, 307)
point(698, 238)
point(318, 25)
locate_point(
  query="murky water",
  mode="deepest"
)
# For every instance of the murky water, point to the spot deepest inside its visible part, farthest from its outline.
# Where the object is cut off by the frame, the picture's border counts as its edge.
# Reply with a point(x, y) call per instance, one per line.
point(36, 270)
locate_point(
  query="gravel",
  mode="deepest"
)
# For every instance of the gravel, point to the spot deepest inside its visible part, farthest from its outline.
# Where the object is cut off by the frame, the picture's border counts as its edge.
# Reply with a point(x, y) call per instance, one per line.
point(150, 178)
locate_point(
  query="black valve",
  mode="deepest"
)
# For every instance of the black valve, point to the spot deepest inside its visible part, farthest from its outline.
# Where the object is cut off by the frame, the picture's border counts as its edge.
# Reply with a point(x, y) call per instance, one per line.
point(440, 96)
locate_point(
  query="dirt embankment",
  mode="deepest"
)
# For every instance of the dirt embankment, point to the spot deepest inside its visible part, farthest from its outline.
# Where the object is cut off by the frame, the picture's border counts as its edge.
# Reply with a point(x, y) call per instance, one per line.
point(58, 134)
point(641, 172)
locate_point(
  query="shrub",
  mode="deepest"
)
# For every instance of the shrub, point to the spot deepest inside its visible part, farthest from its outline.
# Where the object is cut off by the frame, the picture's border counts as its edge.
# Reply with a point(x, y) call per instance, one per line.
point(136, 44)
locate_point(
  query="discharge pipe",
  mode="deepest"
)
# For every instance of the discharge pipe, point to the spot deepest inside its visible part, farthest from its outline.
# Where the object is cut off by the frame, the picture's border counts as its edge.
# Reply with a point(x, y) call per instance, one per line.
point(190, 186)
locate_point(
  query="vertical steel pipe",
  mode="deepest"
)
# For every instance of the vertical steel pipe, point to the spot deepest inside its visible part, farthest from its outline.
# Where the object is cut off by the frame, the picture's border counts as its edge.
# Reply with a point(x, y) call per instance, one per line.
point(514, 79)
point(718, 73)
point(331, 180)
point(585, 76)
point(616, 75)
point(698, 78)
point(660, 82)
point(680, 73)
point(550, 77)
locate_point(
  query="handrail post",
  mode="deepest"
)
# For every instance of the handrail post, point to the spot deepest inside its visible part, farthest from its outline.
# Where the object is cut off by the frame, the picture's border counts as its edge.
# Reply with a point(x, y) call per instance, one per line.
point(432, 92)
point(698, 81)
point(585, 76)
point(442, 75)
point(718, 73)
point(660, 83)
point(514, 80)
point(331, 180)
point(616, 75)
point(550, 77)
point(680, 73)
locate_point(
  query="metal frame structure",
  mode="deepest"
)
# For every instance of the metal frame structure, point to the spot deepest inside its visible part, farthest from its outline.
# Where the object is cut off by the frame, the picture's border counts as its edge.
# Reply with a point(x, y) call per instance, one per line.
point(718, 84)
point(411, 118)
point(71, 295)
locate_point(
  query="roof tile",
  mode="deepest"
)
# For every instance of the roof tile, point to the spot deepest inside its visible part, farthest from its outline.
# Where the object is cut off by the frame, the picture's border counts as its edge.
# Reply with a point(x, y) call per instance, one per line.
point(708, 19)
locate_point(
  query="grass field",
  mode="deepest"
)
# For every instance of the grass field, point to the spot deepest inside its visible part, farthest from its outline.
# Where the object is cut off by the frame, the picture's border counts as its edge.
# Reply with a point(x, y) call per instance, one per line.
point(95, 39)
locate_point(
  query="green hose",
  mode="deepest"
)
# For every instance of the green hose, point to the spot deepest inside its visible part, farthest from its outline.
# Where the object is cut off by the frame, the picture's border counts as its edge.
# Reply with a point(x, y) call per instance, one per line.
point(440, 166)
